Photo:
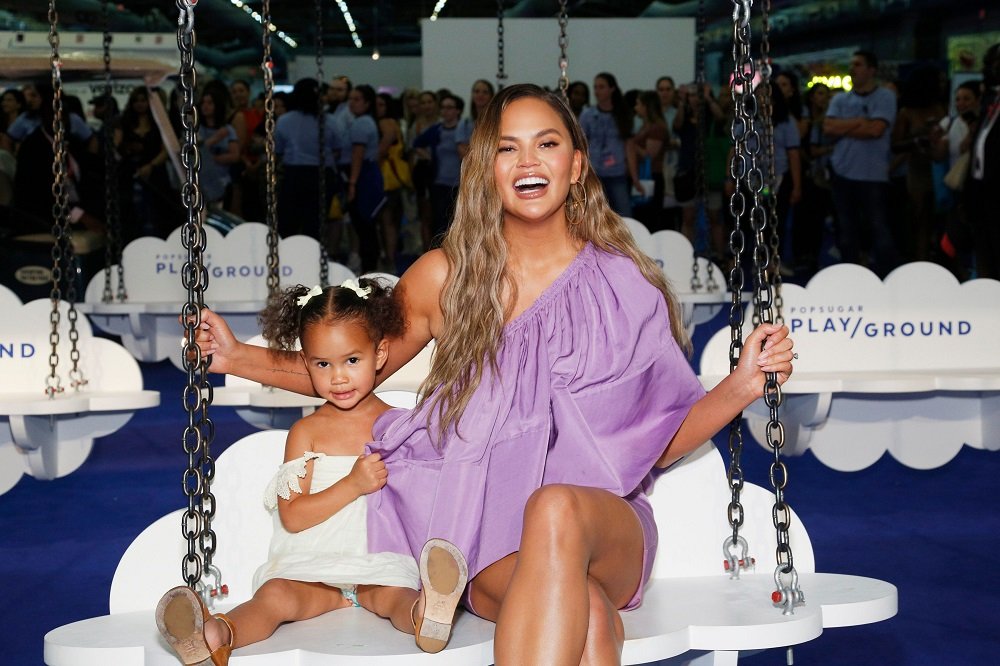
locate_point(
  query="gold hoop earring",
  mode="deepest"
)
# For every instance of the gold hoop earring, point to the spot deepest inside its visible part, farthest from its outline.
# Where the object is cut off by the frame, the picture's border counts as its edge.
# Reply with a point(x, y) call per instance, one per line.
point(576, 203)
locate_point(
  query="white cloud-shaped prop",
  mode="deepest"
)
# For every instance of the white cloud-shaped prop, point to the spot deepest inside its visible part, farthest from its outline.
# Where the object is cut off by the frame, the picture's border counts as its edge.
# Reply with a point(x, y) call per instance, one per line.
point(236, 262)
point(675, 255)
point(74, 418)
point(912, 363)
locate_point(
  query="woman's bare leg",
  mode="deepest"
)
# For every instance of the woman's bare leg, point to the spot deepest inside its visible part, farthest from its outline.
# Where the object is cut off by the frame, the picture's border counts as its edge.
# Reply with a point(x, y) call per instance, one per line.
point(393, 603)
point(580, 559)
point(276, 602)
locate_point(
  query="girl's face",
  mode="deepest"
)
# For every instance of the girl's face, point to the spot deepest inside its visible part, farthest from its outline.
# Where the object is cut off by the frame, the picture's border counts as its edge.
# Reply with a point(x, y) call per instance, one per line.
point(578, 97)
point(379, 107)
point(428, 106)
point(665, 89)
point(965, 101)
point(640, 109)
point(241, 95)
point(207, 109)
point(535, 162)
point(820, 96)
point(785, 85)
point(342, 361)
point(279, 107)
point(412, 103)
point(140, 104)
point(8, 104)
point(481, 95)
point(32, 99)
point(356, 103)
point(602, 90)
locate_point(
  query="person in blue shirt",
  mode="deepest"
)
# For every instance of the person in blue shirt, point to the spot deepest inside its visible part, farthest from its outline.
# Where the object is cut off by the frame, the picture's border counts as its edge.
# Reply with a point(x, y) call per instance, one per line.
point(296, 141)
point(860, 122)
point(446, 139)
point(608, 126)
point(365, 188)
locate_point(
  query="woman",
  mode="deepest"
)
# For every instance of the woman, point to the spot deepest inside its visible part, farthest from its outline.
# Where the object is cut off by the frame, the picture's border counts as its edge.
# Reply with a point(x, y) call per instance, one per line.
point(482, 93)
point(142, 172)
point(816, 205)
point(365, 188)
point(421, 166)
point(220, 145)
point(650, 142)
point(608, 126)
point(11, 106)
point(395, 174)
point(578, 94)
point(296, 141)
point(788, 84)
point(518, 299)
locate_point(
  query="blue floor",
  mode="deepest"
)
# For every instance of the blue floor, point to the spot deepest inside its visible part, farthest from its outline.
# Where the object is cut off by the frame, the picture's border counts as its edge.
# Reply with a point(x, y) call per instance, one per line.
point(931, 533)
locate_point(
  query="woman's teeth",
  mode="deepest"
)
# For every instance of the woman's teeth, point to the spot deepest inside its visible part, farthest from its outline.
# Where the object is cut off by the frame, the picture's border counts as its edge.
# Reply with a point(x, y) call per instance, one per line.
point(530, 183)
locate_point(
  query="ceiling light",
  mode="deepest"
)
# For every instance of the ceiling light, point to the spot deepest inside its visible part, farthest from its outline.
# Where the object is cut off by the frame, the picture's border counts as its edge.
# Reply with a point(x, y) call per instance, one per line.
point(240, 4)
point(350, 22)
point(437, 9)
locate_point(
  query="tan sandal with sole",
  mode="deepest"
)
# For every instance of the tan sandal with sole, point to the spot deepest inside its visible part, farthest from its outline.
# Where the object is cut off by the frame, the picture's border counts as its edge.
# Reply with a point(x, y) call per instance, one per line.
point(443, 576)
point(181, 616)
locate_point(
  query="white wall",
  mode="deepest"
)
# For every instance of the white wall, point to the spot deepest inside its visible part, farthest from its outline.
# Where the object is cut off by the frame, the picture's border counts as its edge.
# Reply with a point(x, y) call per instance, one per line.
point(395, 72)
point(456, 52)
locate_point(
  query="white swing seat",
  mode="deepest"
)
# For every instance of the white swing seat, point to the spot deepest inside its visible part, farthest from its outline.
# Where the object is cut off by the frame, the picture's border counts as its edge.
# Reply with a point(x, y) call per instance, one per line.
point(237, 286)
point(51, 437)
point(908, 365)
point(691, 611)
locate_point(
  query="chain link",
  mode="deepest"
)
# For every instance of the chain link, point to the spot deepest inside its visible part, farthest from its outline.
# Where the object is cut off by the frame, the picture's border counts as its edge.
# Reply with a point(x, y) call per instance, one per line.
point(196, 397)
point(324, 256)
point(53, 383)
point(112, 217)
point(738, 171)
point(563, 46)
point(501, 74)
point(270, 200)
point(775, 432)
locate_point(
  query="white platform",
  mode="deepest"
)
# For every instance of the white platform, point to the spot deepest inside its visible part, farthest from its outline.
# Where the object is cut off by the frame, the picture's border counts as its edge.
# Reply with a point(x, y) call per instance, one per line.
point(51, 437)
point(910, 366)
point(237, 286)
point(690, 606)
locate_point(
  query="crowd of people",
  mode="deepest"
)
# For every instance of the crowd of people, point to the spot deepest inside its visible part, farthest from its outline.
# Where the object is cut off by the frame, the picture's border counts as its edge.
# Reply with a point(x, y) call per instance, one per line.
point(874, 175)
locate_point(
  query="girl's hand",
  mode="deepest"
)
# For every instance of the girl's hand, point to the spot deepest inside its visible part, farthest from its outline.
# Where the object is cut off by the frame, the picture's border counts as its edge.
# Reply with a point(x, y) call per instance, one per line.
point(767, 349)
point(216, 340)
point(368, 474)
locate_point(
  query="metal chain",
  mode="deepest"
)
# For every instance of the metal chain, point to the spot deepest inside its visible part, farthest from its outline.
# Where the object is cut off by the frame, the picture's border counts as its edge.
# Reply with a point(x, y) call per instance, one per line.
point(787, 594)
point(196, 523)
point(563, 46)
point(501, 74)
point(739, 172)
point(767, 116)
point(112, 217)
point(270, 177)
point(53, 383)
point(64, 263)
point(324, 256)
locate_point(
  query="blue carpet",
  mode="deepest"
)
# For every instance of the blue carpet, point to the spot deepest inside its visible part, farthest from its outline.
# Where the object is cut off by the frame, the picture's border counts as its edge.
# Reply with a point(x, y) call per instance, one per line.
point(931, 533)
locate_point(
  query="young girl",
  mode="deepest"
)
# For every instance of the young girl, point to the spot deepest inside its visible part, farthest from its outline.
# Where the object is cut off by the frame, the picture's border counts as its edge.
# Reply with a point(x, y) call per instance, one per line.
point(318, 557)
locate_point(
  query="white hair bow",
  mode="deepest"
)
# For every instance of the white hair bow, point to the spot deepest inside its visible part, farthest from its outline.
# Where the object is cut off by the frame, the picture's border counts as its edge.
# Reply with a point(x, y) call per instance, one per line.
point(355, 286)
point(315, 291)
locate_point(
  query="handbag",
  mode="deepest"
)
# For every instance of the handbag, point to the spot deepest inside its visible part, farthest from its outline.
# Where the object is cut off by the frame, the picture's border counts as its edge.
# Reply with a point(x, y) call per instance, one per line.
point(395, 170)
point(955, 178)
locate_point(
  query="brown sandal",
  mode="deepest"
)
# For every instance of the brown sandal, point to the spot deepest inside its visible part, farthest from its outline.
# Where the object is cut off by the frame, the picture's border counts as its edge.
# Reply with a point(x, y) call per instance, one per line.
point(443, 576)
point(181, 616)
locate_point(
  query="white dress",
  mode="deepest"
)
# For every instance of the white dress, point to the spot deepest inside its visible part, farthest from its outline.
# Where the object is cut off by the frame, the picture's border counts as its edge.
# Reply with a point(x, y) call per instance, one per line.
point(334, 552)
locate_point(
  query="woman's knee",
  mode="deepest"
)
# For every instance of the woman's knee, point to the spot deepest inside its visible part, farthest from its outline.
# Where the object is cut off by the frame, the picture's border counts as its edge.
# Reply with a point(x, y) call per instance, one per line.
point(555, 508)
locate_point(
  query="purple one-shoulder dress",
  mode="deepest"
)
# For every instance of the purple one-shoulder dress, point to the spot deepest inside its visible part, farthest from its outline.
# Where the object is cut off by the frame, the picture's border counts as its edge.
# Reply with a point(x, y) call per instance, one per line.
point(590, 386)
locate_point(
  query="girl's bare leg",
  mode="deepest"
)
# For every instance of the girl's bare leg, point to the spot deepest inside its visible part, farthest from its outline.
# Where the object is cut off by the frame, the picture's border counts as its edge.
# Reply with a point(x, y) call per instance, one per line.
point(393, 603)
point(580, 559)
point(276, 602)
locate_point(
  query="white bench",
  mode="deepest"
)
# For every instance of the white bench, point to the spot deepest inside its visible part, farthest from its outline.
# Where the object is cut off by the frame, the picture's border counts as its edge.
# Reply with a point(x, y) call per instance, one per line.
point(237, 286)
point(673, 252)
point(910, 365)
point(50, 438)
point(692, 613)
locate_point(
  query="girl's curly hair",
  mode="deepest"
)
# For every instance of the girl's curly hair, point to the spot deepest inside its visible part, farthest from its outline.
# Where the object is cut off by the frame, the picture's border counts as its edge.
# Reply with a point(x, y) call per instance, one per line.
point(283, 321)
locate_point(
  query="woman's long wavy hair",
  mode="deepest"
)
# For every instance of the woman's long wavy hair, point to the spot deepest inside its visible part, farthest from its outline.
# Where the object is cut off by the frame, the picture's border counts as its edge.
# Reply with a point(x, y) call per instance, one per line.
point(480, 291)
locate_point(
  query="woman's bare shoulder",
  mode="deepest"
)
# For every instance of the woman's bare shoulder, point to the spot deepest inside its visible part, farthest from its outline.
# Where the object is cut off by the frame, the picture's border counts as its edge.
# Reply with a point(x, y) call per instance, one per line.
point(428, 272)
point(420, 292)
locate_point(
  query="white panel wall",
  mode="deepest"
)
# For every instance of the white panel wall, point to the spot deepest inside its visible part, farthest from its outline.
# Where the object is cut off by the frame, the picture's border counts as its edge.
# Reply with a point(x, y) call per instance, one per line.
point(395, 72)
point(456, 52)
